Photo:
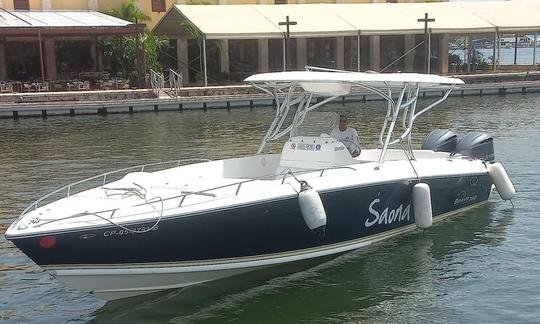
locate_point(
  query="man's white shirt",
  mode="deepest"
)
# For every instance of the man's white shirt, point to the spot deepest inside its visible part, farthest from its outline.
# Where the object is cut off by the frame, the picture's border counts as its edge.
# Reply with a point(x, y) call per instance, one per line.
point(349, 138)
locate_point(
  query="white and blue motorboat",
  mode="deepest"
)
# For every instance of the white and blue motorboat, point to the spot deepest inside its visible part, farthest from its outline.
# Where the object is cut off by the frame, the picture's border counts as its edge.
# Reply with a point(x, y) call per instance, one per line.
point(170, 225)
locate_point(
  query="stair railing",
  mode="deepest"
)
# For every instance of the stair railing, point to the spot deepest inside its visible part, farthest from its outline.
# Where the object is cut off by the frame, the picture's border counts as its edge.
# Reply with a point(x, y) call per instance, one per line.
point(176, 82)
point(157, 81)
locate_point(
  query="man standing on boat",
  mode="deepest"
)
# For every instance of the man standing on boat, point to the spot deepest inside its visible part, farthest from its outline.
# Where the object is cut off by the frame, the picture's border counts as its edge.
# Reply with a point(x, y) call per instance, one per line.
point(348, 136)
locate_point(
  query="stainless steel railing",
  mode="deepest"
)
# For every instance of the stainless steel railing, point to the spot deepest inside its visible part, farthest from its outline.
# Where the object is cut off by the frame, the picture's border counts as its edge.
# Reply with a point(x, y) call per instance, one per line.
point(157, 81)
point(182, 196)
point(176, 82)
point(104, 177)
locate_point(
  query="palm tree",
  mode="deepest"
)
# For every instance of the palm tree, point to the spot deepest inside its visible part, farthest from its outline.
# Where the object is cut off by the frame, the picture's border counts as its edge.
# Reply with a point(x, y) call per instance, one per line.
point(130, 12)
point(152, 44)
point(125, 50)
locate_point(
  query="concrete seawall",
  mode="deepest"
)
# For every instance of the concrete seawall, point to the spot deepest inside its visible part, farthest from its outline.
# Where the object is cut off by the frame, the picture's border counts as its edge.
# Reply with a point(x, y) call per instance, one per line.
point(225, 97)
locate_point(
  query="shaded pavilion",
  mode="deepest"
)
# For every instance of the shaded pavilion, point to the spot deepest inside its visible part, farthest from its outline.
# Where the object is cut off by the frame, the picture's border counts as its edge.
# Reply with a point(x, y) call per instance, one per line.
point(55, 45)
point(237, 40)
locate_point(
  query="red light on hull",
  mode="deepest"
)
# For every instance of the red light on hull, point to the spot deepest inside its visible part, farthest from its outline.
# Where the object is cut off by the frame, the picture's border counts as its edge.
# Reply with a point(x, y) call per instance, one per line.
point(47, 242)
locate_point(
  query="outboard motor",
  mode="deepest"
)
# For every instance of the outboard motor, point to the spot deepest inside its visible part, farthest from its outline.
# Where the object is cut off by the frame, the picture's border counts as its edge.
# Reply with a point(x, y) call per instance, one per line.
point(440, 140)
point(477, 145)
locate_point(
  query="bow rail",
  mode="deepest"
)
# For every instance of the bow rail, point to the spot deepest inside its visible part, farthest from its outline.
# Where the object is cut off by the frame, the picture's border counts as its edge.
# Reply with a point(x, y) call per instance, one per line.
point(205, 192)
point(104, 180)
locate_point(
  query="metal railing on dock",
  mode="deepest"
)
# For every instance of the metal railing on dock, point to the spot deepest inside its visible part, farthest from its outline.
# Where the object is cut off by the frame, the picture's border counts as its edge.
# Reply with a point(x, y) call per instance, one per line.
point(173, 79)
point(157, 81)
point(176, 81)
point(237, 96)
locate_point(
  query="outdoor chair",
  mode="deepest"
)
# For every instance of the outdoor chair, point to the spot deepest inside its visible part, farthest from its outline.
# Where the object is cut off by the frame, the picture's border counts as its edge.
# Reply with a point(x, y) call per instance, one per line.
point(42, 86)
point(16, 86)
point(5, 87)
point(74, 85)
point(84, 86)
point(114, 84)
point(57, 85)
point(26, 87)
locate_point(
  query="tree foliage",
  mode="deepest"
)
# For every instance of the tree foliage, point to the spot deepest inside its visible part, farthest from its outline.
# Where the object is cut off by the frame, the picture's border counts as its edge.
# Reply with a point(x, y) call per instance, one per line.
point(130, 12)
point(123, 51)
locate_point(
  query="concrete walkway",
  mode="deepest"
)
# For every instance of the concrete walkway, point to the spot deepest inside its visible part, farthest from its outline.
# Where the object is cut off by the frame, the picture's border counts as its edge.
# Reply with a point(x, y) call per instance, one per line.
point(130, 101)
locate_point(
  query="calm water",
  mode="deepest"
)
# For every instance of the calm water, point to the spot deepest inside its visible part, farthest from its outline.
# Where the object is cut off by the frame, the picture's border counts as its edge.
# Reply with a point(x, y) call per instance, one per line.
point(482, 266)
point(506, 56)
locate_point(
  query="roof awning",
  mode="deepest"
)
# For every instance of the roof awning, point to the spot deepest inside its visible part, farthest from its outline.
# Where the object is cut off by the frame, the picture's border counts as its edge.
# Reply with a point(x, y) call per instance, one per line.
point(402, 18)
point(215, 21)
point(329, 20)
point(312, 20)
point(62, 22)
point(507, 16)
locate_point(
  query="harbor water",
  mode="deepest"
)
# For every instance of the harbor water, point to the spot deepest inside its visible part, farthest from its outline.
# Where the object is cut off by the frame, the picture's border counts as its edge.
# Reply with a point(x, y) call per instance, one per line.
point(506, 55)
point(481, 266)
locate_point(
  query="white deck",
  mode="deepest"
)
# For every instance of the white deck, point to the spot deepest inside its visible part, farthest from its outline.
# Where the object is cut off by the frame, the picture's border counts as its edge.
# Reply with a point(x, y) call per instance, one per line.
point(236, 181)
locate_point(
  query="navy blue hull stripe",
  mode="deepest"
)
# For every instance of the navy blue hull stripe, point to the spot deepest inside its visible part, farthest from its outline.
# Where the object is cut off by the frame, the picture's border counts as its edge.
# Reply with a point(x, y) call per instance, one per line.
point(274, 227)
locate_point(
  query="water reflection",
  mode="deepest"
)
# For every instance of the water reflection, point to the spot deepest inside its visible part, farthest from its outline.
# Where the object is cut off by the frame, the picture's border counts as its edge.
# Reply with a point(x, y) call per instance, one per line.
point(468, 255)
point(340, 290)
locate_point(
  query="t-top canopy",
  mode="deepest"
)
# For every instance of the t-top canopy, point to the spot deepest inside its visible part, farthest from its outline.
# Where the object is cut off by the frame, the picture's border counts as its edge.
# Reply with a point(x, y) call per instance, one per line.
point(339, 83)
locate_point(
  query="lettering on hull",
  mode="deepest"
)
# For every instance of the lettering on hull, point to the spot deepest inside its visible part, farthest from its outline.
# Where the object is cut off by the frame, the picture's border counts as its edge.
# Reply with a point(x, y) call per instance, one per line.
point(463, 198)
point(387, 215)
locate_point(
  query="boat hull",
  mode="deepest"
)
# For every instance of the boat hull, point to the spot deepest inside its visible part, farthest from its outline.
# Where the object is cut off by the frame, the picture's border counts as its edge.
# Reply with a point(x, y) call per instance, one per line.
point(182, 251)
point(129, 280)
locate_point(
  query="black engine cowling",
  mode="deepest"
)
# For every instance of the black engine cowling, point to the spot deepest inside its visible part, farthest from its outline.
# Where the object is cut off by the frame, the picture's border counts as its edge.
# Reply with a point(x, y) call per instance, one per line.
point(440, 140)
point(476, 145)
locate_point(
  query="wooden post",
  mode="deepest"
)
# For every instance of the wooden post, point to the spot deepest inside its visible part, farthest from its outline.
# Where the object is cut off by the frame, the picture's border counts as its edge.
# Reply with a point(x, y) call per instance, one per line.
point(427, 49)
point(468, 41)
point(515, 48)
point(495, 38)
point(284, 55)
point(204, 61)
point(41, 57)
point(534, 50)
point(358, 56)
point(287, 23)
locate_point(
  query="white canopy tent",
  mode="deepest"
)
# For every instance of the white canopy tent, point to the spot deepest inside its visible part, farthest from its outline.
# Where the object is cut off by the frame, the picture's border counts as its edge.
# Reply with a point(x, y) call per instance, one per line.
point(402, 18)
point(326, 20)
point(507, 16)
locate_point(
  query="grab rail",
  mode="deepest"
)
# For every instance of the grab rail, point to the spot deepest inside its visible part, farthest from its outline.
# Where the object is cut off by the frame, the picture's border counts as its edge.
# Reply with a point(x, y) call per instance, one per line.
point(184, 195)
point(67, 188)
point(286, 173)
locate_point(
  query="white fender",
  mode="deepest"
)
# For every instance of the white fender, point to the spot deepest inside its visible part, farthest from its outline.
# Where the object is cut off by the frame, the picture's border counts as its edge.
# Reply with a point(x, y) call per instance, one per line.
point(501, 180)
point(423, 214)
point(312, 208)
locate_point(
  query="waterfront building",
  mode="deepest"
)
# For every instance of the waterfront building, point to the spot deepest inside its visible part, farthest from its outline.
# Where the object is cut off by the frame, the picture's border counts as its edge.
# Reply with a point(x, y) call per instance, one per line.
point(64, 57)
point(226, 43)
point(155, 9)
point(40, 46)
